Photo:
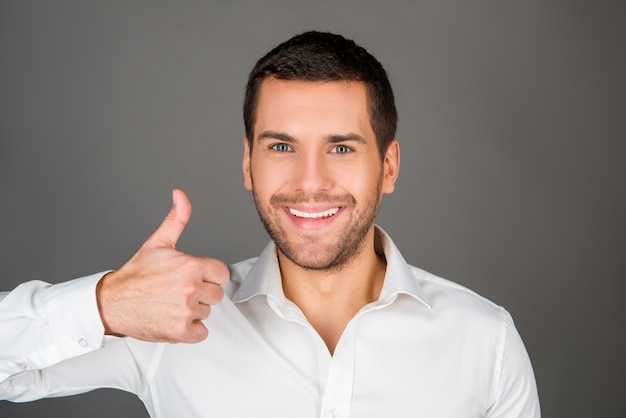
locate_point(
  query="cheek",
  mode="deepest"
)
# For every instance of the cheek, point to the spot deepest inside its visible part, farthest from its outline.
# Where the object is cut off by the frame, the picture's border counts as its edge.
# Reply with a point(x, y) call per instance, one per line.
point(358, 179)
point(267, 177)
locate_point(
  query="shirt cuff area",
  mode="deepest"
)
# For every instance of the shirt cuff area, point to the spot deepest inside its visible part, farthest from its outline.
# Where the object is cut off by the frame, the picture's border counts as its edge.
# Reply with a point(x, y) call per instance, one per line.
point(73, 315)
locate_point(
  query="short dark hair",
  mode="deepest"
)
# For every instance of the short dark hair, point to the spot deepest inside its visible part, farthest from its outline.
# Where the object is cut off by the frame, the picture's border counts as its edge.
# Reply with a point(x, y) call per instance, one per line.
point(324, 56)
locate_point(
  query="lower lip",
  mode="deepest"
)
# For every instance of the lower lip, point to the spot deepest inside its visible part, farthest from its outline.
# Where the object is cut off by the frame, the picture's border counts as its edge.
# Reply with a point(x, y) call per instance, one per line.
point(312, 224)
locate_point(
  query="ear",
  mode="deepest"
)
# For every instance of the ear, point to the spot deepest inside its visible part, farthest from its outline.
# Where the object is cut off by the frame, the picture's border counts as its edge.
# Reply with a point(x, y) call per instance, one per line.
point(391, 167)
point(245, 165)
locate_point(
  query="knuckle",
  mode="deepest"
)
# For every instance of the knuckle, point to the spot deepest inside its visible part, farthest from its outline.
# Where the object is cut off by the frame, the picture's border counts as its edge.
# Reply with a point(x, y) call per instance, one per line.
point(180, 332)
point(201, 333)
point(188, 291)
point(206, 311)
point(218, 270)
point(191, 267)
point(190, 312)
point(218, 293)
point(212, 294)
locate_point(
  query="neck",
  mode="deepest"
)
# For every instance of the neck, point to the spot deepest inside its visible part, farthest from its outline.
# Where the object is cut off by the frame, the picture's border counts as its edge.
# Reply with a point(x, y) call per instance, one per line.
point(330, 299)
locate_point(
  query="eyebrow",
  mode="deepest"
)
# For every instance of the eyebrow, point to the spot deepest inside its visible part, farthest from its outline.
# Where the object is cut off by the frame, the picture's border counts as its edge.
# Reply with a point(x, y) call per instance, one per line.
point(350, 137)
point(281, 136)
point(333, 139)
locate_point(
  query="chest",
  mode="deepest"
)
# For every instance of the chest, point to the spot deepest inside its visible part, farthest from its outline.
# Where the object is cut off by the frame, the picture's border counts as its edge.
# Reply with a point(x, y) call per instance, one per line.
point(255, 364)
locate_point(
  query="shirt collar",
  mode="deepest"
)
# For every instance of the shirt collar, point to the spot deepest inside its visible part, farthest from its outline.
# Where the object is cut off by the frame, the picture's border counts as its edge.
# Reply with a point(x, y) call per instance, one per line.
point(399, 277)
point(264, 275)
point(263, 278)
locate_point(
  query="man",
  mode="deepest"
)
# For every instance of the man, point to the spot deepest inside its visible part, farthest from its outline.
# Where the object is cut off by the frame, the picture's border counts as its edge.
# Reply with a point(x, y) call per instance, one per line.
point(329, 321)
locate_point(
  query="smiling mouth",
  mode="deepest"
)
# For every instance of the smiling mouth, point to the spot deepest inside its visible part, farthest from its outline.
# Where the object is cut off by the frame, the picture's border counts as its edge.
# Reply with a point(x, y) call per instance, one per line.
point(314, 215)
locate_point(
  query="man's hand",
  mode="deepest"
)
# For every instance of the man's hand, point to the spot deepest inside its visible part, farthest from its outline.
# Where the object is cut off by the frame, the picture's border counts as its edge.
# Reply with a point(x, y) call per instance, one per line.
point(162, 294)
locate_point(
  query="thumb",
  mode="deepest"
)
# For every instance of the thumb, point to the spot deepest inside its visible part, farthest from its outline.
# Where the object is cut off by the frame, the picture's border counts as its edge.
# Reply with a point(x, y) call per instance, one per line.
point(174, 223)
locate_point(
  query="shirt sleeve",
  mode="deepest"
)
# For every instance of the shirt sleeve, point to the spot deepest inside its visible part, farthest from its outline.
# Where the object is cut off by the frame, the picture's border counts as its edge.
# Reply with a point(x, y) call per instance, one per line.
point(515, 391)
point(43, 324)
point(52, 343)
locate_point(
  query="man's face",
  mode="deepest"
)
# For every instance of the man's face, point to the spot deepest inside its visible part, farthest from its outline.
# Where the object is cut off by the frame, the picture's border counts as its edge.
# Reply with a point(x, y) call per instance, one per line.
point(315, 170)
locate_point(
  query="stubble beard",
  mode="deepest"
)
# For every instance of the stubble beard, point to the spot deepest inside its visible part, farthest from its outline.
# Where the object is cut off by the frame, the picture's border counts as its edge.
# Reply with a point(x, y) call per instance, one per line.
point(343, 248)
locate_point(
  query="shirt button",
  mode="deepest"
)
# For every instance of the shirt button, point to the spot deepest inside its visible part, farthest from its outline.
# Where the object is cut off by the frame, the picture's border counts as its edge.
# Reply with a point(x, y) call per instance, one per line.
point(22, 365)
point(333, 413)
point(83, 342)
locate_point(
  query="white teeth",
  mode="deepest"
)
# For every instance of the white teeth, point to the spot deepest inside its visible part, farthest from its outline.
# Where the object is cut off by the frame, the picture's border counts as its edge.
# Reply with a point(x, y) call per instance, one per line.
point(309, 215)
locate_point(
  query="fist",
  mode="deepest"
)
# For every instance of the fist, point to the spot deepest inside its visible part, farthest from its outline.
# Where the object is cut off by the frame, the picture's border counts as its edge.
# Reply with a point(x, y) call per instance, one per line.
point(162, 294)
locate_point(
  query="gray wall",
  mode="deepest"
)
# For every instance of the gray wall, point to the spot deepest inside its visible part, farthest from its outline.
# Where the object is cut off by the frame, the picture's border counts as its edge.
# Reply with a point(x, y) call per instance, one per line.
point(512, 130)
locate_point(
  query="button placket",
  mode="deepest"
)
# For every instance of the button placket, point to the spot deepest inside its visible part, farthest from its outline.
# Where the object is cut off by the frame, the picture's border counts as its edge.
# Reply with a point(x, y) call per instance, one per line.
point(337, 397)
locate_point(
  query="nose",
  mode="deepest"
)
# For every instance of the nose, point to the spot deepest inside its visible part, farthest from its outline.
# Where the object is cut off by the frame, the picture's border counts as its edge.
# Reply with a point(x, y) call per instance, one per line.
point(311, 174)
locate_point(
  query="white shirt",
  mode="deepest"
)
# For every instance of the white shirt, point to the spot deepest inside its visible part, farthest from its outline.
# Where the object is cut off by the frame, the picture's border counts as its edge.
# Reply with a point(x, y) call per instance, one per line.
point(426, 348)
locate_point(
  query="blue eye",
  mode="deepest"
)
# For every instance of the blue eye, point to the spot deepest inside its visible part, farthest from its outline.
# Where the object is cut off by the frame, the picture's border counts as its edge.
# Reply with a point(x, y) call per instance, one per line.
point(341, 149)
point(281, 147)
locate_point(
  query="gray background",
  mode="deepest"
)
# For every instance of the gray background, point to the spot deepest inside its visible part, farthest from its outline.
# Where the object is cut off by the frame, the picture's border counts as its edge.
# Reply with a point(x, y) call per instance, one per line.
point(512, 131)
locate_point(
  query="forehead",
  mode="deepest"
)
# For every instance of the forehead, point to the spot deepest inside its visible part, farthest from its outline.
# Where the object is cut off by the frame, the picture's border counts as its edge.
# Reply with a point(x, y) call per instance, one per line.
point(308, 107)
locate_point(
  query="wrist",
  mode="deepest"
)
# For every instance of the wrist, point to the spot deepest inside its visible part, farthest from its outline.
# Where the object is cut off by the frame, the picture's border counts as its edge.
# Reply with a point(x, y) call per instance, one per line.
point(103, 301)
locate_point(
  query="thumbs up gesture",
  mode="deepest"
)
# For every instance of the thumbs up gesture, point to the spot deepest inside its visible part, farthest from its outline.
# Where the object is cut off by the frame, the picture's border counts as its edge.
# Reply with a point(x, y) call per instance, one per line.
point(162, 294)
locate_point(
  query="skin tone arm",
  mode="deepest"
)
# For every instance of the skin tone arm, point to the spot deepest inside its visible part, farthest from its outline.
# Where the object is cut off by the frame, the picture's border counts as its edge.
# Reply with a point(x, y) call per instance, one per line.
point(162, 294)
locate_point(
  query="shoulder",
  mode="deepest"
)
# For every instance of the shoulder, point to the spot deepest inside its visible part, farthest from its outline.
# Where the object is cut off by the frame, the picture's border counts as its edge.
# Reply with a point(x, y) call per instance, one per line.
point(485, 335)
point(449, 299)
